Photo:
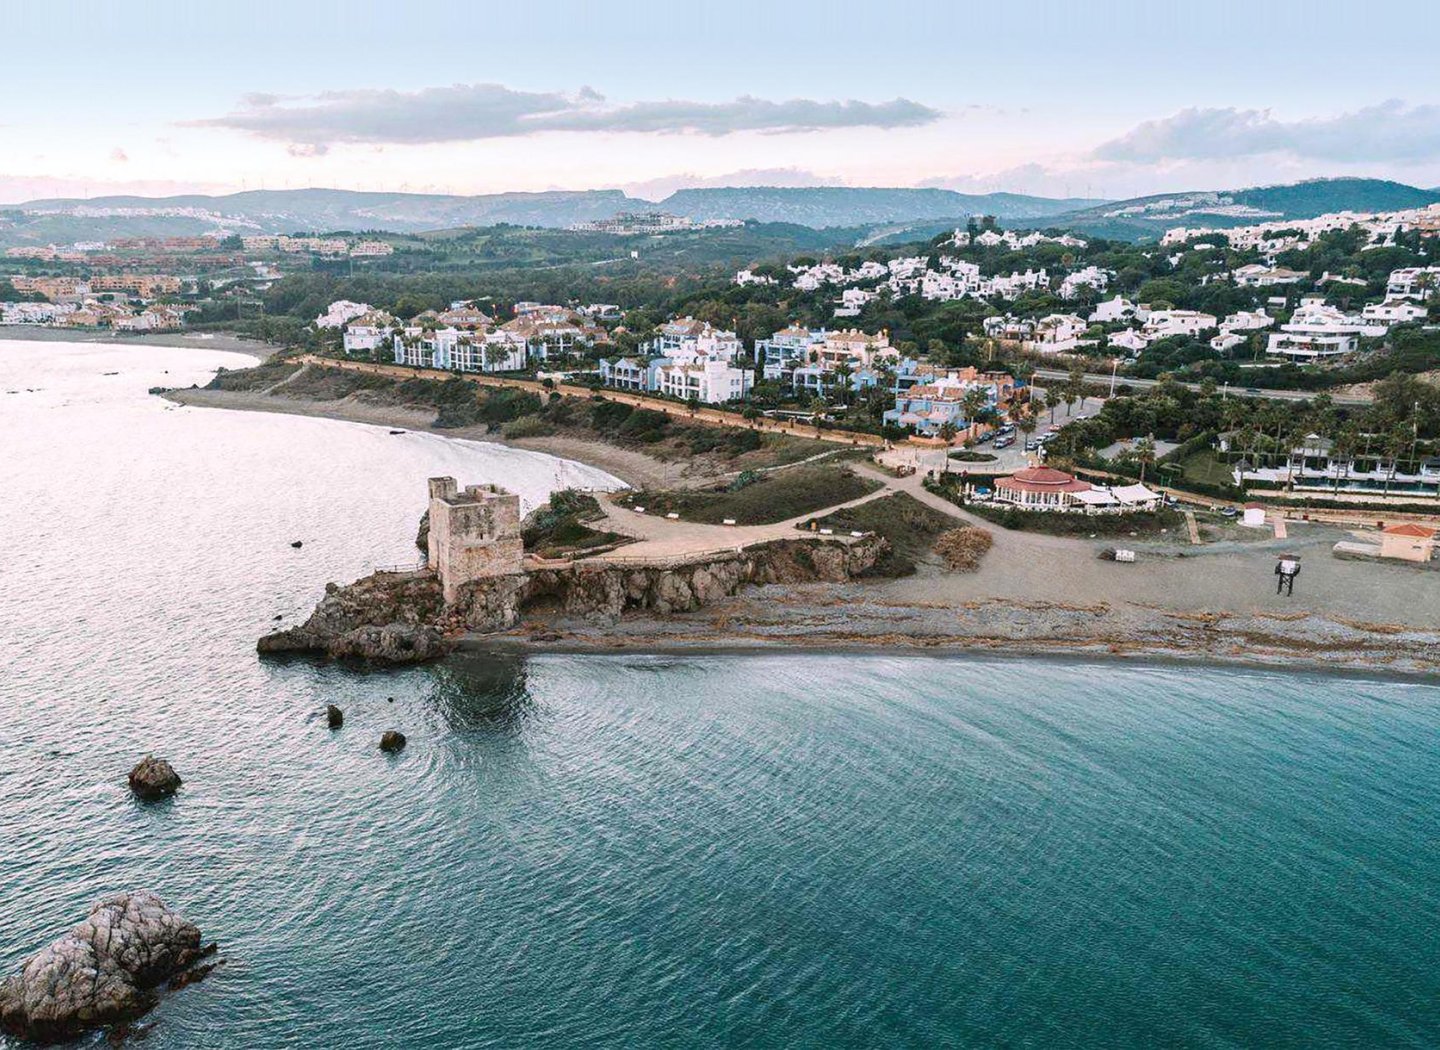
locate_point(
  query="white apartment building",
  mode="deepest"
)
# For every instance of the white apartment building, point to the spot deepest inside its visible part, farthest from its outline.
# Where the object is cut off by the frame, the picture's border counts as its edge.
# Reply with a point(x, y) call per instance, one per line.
point(1162, 324)
point(342, 312)
point(1393, 311)
point(1316, 330)
point(1056, 334)
point(1112, 311)
point(1091, 278)
point(1413, 282)
point(712, 382)
point(368, 332)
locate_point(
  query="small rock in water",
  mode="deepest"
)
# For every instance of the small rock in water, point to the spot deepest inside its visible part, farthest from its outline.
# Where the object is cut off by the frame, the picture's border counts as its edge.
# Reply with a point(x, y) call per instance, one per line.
point(278, 616)
point(392, 740)
point(334, 717)
point(298, 543)
point(153, 778)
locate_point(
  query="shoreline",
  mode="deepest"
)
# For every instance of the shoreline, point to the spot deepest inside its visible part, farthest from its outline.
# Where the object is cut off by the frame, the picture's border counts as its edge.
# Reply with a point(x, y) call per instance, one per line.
point(635, 469)
point(853, 619)
point(1094, 653)
point(181, 339)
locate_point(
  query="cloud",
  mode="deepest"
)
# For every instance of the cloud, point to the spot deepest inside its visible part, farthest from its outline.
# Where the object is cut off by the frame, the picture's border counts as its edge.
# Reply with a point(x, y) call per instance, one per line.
point(1391, 131)
point(658, 188)
point(471, 112)
point(119, 156)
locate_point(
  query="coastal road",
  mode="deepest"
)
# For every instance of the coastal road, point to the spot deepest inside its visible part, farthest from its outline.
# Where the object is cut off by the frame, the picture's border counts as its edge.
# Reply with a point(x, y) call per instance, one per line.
point(1103, 381)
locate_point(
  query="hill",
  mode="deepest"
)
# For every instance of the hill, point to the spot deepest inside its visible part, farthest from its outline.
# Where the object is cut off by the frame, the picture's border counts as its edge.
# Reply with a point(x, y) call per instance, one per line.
point(1143, 218)
point(822, 206)
point(324, 210)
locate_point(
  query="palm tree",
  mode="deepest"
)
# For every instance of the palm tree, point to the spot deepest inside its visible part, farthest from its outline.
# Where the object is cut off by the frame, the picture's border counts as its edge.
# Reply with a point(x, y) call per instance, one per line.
point(1144, 453)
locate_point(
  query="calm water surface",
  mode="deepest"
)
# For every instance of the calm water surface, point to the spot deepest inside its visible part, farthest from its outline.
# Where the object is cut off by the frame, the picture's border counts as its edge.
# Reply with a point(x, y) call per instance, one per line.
point(627, 851)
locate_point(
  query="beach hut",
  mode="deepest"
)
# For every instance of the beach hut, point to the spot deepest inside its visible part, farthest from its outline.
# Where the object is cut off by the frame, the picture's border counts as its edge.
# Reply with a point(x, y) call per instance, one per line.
point(1255, 515)
point(1408, 542)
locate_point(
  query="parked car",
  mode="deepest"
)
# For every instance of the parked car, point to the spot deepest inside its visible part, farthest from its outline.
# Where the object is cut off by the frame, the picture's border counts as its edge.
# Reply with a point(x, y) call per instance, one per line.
point(1004, 442)
point(1031, 445)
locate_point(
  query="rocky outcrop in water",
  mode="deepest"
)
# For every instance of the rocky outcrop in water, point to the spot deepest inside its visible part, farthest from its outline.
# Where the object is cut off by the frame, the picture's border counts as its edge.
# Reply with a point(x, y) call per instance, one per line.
point(153, 778)
point(385, 618)
point(402, 617)
point(102, 972)
point(392, 740)
point(334, 717)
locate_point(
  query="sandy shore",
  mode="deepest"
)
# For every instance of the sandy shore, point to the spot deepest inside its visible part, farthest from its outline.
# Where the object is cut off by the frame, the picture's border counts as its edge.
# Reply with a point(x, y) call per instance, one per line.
point(199, 340)
point(634, 468)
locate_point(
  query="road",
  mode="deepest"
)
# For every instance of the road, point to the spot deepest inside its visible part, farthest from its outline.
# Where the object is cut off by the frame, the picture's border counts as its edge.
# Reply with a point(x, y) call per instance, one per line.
point(1103, 381)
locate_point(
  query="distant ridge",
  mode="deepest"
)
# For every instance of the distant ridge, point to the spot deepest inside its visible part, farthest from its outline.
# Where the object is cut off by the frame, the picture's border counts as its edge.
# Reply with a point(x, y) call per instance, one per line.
point(1148, 217)
point(887, 213)
point(286, 211)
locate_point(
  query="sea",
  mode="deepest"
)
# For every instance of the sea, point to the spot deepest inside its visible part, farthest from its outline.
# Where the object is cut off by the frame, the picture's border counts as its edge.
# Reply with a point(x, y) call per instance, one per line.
point(786, 849)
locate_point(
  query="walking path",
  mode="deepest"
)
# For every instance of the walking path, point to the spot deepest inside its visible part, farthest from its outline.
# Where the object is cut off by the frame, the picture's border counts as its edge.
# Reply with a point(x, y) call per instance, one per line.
point(661, 539)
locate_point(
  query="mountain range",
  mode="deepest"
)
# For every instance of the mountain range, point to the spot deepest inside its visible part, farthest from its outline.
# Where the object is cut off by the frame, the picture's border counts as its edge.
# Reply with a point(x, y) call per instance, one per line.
point(288, 211)
point(888, 213)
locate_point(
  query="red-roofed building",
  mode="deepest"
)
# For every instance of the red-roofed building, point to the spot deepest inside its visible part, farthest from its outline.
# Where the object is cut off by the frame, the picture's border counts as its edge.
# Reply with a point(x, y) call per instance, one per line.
point(1409, 542)
point(1041, 488)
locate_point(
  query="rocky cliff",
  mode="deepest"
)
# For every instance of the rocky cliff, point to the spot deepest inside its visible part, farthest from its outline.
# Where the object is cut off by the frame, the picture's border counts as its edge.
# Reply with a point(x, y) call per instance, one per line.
point(402, 617)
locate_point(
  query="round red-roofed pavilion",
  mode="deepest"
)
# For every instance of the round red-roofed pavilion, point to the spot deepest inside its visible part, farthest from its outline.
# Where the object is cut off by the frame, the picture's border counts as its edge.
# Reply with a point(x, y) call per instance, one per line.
point(1040, 488)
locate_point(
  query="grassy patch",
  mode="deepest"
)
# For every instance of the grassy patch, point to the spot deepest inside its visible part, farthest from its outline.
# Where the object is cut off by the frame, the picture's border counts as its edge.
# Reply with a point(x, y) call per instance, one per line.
point(910, 527)
point(1204, 466)
point(773, 497)
point(559, 527)
point(257, 378)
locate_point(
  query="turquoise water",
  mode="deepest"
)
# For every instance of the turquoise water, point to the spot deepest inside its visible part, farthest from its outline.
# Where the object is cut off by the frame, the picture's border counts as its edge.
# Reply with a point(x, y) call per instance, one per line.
point(775, 850)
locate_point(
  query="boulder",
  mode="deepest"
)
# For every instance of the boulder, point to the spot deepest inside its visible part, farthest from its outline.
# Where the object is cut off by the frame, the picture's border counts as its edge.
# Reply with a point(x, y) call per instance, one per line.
point(392, 740)
point(153, 778)
point(100, 973)
point(334, 717)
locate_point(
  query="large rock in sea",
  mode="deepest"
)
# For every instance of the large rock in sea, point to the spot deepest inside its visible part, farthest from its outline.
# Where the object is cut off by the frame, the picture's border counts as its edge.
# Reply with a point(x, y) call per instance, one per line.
point(102, 972)
point(385, 618)
point(392, 740)
point(153, 778)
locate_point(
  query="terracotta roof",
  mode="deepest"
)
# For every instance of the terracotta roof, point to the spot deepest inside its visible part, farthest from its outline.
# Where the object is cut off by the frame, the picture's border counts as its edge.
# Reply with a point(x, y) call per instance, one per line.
point(1043, 479)
point(1420, 532)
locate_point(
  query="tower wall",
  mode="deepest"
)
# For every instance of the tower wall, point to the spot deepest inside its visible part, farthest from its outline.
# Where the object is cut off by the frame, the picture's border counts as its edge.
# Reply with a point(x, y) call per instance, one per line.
point(474, 533)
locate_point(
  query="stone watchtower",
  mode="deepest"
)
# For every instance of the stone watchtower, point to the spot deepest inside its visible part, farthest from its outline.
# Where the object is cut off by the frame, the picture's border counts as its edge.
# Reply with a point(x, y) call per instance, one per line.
point(473, 534)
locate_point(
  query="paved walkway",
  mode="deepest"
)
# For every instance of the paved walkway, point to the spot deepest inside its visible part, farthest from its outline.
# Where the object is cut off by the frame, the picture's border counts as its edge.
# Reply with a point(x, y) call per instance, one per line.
point(661, 539)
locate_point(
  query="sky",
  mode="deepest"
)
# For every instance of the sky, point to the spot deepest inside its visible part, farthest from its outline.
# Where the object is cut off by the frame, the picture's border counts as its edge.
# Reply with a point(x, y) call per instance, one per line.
point(1109, 98)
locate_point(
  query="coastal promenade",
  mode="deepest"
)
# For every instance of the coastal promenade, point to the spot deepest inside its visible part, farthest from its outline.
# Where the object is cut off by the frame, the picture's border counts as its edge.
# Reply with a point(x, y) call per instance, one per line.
point(714, 416)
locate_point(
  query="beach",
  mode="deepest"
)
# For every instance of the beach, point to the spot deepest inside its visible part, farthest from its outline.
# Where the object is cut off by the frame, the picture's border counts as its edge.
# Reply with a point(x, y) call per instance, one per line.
point(196, 340)
point(1033, 593)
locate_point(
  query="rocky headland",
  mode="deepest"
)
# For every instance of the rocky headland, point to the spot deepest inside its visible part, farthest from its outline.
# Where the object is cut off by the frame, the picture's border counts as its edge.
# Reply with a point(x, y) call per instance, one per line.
point(103, 972)
point(403, 617)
